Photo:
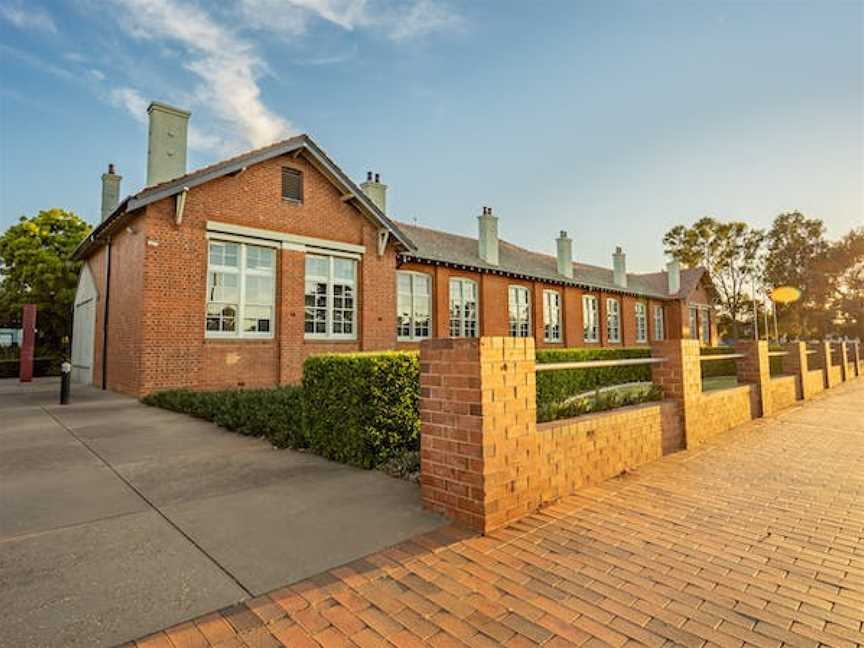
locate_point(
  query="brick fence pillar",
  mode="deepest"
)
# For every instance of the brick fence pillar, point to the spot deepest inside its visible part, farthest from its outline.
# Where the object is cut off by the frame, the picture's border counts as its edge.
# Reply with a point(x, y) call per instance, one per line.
point(824, 353)
point(856, 355)
point(680, 378)
point(795, 363)
point(844, 363)
point(479, 449)
point(755, 368)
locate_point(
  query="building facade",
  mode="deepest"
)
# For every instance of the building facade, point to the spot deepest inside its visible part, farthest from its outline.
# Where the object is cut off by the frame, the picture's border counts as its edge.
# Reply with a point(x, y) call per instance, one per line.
point(230, 276)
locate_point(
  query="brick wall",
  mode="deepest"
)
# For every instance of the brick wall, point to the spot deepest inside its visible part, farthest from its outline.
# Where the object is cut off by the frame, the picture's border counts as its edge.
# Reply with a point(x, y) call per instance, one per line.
point(485, 461)
point(815, 381)
point(784, 391)
point(721, 410)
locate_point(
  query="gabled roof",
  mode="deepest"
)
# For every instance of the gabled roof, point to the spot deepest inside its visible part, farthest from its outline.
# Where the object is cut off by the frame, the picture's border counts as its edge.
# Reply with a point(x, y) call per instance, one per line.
point(439, 247)
point(299, 144)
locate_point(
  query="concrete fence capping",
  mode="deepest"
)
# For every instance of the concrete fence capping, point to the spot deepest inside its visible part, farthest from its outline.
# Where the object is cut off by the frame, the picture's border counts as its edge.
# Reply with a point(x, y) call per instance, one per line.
point(485, 461)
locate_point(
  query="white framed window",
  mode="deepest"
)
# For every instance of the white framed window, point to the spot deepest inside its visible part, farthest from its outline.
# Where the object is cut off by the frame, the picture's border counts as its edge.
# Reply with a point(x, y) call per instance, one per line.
point(694, 325)
point(413, 305)
point(519, 302)
point(590, 318)
point(331, 297)
point(659, 323)
point(706, 325)
point(551, 316)
point(463, 308)
point(241, 290)
point(641, 323)
point(613, 320)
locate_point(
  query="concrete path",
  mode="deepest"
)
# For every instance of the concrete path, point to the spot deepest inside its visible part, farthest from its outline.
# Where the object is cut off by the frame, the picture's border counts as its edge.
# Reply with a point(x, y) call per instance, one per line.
point(755, 539)
point(117, 519)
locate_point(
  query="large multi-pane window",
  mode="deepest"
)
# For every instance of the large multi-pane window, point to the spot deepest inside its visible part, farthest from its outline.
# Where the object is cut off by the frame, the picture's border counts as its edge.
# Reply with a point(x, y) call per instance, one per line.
point(706, 325)
point(413, 305)
point(641, 323)
point(659, 327)
point(590, 318)
point(463, 308)
point(694, 326)
point(331, 297)
point(519, 301)
point(613, 320)
point(241, 290)
point(551, 316)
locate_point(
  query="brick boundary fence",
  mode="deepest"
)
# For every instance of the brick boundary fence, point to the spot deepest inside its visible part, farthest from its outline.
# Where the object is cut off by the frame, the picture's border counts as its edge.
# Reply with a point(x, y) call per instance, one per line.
point(485, 461)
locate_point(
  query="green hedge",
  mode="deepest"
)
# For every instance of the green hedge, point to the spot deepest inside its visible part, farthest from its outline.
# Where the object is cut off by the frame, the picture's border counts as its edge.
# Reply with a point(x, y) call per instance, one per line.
point(729, 367)
point(41, 367)
point(555, 388)
point(276, 414)
point(362, 408)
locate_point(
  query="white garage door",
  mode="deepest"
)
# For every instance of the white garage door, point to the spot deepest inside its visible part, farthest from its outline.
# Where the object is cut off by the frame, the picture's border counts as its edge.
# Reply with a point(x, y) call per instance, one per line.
point(84, 328)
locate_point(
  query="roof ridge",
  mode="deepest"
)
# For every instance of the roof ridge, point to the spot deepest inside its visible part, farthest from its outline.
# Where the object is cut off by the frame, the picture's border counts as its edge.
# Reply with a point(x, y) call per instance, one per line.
point(213, 165)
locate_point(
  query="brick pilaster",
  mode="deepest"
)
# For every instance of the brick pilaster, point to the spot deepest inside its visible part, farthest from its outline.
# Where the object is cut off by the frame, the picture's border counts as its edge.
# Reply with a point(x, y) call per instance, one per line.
point(755, 368)
point(478, 445)
point(680, 377)
point(824, 353)
point(857, 357)
point(795, 363)
point(844, 363)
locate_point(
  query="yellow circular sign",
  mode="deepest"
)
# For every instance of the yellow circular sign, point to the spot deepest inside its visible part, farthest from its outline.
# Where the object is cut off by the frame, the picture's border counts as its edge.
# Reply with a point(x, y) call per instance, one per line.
point(785, 294)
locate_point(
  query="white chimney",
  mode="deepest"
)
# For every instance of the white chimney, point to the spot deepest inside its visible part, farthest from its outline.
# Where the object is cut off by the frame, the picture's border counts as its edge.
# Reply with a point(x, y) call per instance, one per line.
point(565, 255)
point(619, 268)
point(673, 276)
point(166, 142)
point(375, 191)
point(110, 191)
point(488, 236)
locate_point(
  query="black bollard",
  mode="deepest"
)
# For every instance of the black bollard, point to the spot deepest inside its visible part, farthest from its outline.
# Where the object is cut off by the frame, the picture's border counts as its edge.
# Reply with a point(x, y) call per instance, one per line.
point(65, 382)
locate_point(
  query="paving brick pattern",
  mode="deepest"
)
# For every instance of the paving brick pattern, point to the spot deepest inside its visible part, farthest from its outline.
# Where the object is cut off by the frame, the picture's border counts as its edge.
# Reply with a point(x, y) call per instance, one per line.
point(756, 538)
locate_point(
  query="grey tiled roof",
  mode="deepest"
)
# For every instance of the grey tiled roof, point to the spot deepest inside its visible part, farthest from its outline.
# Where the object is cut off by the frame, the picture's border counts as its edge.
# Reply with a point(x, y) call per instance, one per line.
point(462, 251)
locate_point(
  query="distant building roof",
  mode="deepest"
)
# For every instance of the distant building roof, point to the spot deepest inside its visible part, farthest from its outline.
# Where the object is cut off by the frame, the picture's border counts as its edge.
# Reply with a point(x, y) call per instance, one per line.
point(435, 246)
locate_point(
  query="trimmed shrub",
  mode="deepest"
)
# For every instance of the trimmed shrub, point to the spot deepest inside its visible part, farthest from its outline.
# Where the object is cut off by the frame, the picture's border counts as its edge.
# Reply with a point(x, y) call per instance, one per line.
point(362, 408)
point(600, 401)
point(555, 389)
point(276, 414)
point(715, 368)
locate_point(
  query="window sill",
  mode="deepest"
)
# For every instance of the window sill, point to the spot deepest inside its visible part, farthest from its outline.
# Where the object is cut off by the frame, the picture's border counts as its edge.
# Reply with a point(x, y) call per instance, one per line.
point(328, 340)
point(414, 339)
point(545, 341)
point(292, 201)
point(221, 339)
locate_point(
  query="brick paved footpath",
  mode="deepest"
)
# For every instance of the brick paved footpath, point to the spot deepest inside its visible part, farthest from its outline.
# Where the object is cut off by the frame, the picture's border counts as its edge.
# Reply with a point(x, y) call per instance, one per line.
point(755, 539)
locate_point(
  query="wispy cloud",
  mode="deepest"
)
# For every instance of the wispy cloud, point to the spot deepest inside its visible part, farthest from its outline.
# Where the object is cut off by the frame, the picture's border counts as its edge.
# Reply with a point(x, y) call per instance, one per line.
point(226, 65)
point(29, 17)
point(218, 47)
point(399, 21)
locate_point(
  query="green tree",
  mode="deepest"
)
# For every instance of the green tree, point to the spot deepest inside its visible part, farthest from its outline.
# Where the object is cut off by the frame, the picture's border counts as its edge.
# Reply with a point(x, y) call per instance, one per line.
point(36, 267)
point(730, 252)
point(798, 255)
point(845, 267)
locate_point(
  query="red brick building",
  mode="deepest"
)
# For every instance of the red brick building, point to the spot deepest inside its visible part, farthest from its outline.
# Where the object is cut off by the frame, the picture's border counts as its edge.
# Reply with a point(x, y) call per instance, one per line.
point(230, 276)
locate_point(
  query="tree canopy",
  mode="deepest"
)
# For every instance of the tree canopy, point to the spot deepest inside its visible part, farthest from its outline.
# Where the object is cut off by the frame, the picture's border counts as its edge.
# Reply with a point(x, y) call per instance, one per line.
point(36, 267)
point(793, 252)
point(729, 251)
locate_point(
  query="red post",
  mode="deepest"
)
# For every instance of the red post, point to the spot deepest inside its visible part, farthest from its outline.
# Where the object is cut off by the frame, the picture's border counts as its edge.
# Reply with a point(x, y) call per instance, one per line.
point(28, 344)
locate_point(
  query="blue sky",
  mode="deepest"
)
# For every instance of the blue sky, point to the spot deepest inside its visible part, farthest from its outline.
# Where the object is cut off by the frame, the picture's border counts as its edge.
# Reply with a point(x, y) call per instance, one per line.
point(613, 120)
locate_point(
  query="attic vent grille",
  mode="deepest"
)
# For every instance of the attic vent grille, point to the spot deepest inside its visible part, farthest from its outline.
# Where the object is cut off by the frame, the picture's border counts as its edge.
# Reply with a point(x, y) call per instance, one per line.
point(292, 185)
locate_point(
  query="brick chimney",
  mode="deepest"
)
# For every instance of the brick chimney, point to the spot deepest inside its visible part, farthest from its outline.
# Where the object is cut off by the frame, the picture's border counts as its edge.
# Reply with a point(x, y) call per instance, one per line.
point(375, 191)
point(619, 268)
point(565, 255)
point(673, 277)
point(166, 142)
point(488, 236)
point(110, 191)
